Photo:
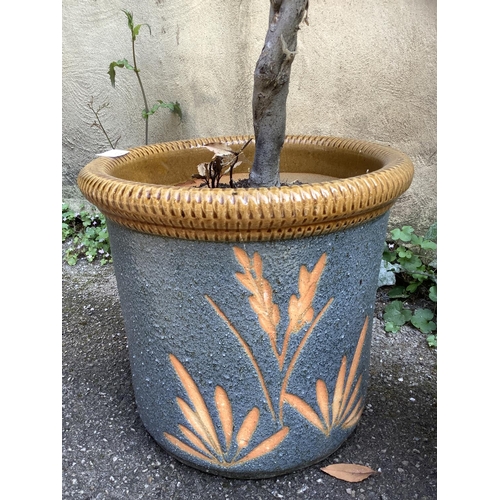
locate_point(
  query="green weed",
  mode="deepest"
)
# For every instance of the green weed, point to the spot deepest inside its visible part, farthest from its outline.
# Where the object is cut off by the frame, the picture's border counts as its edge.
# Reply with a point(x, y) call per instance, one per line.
point(87, 234)
point(413, 261)
point(174, 107)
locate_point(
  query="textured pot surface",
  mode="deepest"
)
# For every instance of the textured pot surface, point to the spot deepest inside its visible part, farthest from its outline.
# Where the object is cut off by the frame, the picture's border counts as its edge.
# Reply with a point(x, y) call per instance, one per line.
point(249, 351)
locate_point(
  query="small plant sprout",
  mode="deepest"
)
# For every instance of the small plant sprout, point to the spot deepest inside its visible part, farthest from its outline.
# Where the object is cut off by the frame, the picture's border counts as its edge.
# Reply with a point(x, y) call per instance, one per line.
point(174, 107)
point(224, 161)
point(97, 122)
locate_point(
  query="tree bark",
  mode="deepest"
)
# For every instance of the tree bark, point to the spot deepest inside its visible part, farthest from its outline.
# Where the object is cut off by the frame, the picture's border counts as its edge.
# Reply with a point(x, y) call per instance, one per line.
point(271, 82)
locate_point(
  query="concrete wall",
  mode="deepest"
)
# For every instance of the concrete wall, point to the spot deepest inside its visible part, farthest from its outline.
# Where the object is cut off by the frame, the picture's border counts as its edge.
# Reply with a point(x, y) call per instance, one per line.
point(365, 69)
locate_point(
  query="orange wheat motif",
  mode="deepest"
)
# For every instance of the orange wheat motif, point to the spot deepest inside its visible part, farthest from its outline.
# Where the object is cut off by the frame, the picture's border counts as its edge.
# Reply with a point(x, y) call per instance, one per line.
point(347, 404)
point(261, 299)
point(220, 444)
point(300, 310)
point(248, 352)
point(202, 437)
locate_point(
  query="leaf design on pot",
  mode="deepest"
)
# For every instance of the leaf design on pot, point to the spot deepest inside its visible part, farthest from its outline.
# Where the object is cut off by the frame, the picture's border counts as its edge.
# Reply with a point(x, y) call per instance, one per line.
point(247, 429)
point(296, 355)
point(266, 446)
point(225, 413)
point(300, 310)
point(306, 411)
point(202, 439)
point(345, 396)
point(261, 299)
point(199, 418)
point(347, 404)
point(248, 352)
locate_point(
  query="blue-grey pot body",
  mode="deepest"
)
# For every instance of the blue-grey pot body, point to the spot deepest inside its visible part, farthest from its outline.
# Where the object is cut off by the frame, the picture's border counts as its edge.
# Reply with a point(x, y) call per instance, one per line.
point(207, 324)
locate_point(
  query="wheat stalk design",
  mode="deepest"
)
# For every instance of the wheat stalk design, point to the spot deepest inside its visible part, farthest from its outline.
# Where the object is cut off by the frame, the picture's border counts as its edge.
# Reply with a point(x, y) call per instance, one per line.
point(203, 439)
point(346, 406)
point(296, 355)
point(248, 352)
point(261, 300)
point(300, 310)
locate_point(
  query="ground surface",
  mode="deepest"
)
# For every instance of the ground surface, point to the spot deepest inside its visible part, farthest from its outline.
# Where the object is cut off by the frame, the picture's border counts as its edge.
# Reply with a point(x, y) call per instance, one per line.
point(107, 453)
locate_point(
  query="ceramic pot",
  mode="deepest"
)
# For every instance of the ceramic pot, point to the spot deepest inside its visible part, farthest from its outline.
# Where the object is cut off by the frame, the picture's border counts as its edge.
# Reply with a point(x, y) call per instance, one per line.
point(248, 311)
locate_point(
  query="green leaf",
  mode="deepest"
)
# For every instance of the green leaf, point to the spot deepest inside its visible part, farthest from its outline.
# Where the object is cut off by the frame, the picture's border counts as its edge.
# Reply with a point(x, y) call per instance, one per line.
point(432, 232)
point(397, 292)
point(413, 264)
point(408, 230)
point(90, 232)
point(419, 278)
point(130, 19)
point(112, 73)
point(396, 314)
point(404, 253)
point(428, 245)
point(389, 256)
point(416, 240)
point(433, 293)
point(422, 319)
point(135, 31)
point(412, 287)
point(177, 109)
point(432, 340)
point(395, 233)
point(71, 260)
point(403, 234)
point(391, 327)
point(174, 107)
point(122, 63)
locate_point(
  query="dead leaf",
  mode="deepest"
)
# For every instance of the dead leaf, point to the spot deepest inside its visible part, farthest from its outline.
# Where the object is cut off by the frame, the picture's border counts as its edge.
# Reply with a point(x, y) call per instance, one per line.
point(202, 169)
point(219, 149)
point(351, 473)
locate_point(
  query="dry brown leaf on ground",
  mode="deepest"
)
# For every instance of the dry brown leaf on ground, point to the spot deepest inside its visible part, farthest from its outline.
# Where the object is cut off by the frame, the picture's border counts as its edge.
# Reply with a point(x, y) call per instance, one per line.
point(351, 473)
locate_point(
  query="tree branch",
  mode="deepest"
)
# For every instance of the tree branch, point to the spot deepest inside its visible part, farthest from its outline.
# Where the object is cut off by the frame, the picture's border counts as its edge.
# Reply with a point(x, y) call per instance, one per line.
point(271, 82)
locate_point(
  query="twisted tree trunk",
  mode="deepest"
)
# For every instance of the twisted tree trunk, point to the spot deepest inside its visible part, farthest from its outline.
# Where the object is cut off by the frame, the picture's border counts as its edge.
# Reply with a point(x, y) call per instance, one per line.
point(271, 81)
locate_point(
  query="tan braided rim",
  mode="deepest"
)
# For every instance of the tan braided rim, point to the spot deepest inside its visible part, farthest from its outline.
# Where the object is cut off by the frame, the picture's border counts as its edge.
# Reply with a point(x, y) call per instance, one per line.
point(125, 190)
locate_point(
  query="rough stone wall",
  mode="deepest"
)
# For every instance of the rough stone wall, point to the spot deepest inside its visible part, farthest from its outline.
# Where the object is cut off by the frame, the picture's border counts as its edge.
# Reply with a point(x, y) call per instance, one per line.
point(365, 69)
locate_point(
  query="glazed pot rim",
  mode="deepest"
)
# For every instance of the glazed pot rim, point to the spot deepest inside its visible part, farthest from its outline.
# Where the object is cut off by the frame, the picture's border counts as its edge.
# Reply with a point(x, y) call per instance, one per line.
point(247, 214)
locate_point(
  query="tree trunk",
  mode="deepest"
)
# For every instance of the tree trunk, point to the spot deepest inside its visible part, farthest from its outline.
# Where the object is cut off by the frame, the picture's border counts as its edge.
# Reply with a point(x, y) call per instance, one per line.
point(271, 79)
